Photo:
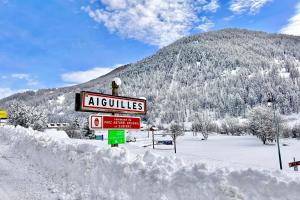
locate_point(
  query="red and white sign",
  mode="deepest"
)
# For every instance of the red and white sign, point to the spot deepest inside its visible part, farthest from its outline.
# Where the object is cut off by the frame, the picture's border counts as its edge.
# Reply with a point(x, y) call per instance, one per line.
point(294, 164)
point(114, 122)
point(95, 122)
point(98, 102)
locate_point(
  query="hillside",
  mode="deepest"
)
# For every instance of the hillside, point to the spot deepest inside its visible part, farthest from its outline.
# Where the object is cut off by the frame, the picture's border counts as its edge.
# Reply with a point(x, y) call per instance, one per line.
point(226, 72)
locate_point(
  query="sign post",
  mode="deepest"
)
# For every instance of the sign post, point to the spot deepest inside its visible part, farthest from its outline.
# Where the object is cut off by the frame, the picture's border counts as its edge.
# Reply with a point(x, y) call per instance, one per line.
point(294, 164)
point(97, 102)
point(165, 142)
point(115, 92)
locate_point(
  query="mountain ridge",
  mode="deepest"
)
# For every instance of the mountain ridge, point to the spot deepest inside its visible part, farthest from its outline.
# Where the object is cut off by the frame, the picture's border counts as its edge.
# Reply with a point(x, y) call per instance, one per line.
point(190, 76)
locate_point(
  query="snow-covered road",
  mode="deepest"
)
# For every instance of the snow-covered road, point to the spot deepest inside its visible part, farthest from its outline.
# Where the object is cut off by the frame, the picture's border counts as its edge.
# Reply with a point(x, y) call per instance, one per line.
point(19, 179)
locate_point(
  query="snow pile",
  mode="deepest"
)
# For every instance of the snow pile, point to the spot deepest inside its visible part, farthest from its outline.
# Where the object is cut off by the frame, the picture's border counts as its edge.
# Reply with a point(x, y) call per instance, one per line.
point(85, 171)
point(56, 134)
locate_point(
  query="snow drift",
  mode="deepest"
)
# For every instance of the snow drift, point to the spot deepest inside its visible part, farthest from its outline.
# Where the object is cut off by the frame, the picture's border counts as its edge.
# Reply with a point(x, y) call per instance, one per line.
point(81, 170)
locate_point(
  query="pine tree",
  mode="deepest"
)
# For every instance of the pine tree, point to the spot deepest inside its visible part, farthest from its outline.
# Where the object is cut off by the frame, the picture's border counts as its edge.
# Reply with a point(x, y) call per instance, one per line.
point(87, 132)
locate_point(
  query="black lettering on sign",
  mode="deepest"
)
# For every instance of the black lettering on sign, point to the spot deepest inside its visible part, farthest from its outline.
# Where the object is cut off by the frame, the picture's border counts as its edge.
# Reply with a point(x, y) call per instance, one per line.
point(140, 106)
point(134, 105)
point(128, 105)
point(117, 103)
point(111, 102)
point(97, 101)
point(122, 104)
point(91, 101)
point(104, 103)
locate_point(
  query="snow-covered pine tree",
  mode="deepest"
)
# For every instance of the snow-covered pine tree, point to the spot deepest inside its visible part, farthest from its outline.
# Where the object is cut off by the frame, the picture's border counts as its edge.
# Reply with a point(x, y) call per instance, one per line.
point(87, 132)
point(27, 116)
point(73, 130)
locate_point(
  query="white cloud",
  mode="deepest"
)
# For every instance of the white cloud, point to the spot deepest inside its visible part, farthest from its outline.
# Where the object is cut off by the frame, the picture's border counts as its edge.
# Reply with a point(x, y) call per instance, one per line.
point(156, 22)
point(293, 27)
point(247, 6)
point(212, 6)
point(20, 76)
point(27, 77)
point(84, 76)
point(229, 18)
point(206, 24)
point(5, 92)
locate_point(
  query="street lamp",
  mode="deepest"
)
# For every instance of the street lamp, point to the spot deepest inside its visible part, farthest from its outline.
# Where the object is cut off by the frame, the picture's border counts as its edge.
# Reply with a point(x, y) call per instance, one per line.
point(272, 103)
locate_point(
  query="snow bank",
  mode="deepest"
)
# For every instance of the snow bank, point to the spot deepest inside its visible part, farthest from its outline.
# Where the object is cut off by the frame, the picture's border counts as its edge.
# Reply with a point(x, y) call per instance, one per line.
point(56, 134)
point(85, 171)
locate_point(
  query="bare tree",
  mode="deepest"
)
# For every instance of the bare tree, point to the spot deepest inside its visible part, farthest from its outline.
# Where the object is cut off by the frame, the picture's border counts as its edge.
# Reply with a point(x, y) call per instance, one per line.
point(176, 130)
point(262, 124)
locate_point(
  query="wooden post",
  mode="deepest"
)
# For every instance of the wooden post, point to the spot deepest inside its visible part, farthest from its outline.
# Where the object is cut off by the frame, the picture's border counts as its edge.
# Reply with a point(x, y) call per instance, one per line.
point(114, 92)
point(153, 138)
point(175, 143)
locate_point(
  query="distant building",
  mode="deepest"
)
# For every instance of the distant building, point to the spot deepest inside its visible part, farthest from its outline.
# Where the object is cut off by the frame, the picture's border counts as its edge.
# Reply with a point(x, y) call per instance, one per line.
point(57, 125)
point(3, 117)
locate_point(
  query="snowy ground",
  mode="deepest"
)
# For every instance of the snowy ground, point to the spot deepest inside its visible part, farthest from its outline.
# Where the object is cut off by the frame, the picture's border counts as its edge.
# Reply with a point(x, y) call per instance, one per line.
point(19, 179)
point(51, 166)
point(226, 151)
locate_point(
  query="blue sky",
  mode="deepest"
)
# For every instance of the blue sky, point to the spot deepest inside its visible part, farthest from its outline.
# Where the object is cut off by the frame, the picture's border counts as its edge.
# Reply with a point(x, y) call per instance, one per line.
point(45, 44)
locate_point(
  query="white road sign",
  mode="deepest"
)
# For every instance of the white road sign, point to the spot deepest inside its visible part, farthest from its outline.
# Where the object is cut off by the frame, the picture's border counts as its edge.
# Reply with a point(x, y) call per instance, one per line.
point(98, 102)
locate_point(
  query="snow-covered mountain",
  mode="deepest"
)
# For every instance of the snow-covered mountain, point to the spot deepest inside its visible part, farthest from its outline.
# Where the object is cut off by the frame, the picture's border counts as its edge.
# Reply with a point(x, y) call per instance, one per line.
point(226, 72)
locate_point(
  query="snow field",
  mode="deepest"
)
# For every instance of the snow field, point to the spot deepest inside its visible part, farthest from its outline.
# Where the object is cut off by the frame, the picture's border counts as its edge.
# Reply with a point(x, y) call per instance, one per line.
point(81, 170)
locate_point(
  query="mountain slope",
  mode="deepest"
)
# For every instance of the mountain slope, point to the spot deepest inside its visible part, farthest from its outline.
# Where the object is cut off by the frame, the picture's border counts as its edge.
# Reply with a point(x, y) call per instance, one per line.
point(224, 72)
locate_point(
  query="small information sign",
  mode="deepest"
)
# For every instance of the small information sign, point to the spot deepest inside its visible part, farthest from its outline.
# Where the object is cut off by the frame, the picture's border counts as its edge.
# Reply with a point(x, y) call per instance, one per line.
point(294, 164)
point(114, 122)
point(116, 136)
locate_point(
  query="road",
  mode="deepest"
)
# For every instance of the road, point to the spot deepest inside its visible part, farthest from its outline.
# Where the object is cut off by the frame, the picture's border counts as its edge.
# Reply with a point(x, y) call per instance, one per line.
point(21, 180)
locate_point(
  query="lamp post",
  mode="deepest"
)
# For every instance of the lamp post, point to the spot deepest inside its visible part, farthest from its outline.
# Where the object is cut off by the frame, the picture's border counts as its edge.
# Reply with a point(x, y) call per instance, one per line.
point(272, 103)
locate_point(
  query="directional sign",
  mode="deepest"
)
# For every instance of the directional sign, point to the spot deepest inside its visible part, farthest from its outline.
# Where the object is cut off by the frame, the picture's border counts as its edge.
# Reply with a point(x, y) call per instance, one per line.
point(98, 102)
point(116, 136)
point(114, 122)
point(294, 164)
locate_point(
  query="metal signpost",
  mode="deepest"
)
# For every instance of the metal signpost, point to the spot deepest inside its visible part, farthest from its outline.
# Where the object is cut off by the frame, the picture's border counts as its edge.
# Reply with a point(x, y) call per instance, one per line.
point(86, 101)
